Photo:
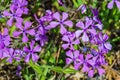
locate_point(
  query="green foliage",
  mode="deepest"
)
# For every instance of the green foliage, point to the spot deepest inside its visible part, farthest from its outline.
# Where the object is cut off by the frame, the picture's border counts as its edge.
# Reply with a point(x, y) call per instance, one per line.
point(47, 66)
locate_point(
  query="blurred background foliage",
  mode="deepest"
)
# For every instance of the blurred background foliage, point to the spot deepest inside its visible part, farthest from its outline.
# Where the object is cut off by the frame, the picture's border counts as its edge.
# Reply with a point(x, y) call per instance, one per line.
point(51, 65)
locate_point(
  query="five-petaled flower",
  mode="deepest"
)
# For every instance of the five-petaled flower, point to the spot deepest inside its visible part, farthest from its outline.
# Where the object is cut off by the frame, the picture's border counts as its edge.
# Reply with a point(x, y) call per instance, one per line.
point(61, 22)
point(97, 67)
point(31, 52)
point(14, 15)
point(86, 62)
point(70, 40)
point(72, 56)
point(20, 4)
point(85, 29)
point(11, 55)
point(24, 30)
point(103, 45)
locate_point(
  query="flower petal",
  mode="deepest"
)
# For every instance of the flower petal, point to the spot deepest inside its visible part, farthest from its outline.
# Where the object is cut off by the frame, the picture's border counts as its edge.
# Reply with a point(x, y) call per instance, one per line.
point(78, 33)
point(56, 16)
point(54, 24)
point(27, 58)
point(10, 21)
point(63, 29)
point(85, 37)
point(118, 4)
point(105, 37)
point(27, 24)
point(92, 31)
point(76, 53)
point(68, 60)
point(100, 26)
point(77, 41)
point(64, 16)
point(68, 23)
point(19, 12)
point(5, 31)
point(6, 42)
point(85, 68)
point(35, 57)
point(81, 58)
point(100, 71)
point(25, 38)
point(110, 4)
point(32, 43)
point(65, 38)
point(88, 56)
point(25, 49)
point(108, 45)
point(65, 46)
point(37, 48)
point(31, 32)
point(16, 33)
point(88, 23)
point(91, 73)
point(80, 24)
point(6, 13)
point(10, 60)
point(77, 66)
point(19, 25)
point(69, 54)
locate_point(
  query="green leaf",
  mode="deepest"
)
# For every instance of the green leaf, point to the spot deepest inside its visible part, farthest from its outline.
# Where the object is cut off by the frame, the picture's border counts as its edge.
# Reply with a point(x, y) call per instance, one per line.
point(2, 20)
point(12, 30)
point(57, 69)
point(116, 39)
point(69, 70)
point(75, 3)
point(45, 71)
point(80, 2)
point(36, 67)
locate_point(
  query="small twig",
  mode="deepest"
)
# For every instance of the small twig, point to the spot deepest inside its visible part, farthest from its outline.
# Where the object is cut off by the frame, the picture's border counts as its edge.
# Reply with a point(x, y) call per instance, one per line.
point(58, 54)
point(113, 63)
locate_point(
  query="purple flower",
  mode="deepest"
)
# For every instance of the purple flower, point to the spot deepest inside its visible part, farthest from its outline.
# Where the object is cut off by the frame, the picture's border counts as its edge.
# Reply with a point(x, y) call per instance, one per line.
point(20, 53)
point(70, 41)
point(12, 55)
point(82, 8)
point(97, 67)
point(86, 62)
point(61, 22)
point(110, 4)
point(102, 42)
point(20, 4)
point(41, 26)
point(72, 56)
point(14, 15)
point(94, 39)
point(31, 52)
point(41, 36)
point(3, 52)
point(48, 16)
point(98, 57)
point(4, 38)
point(85, 30)
point(96, 19)
point(60, 2)
point(95, 15)
point(24, 30)
point(18, 70)
point(98, 60)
